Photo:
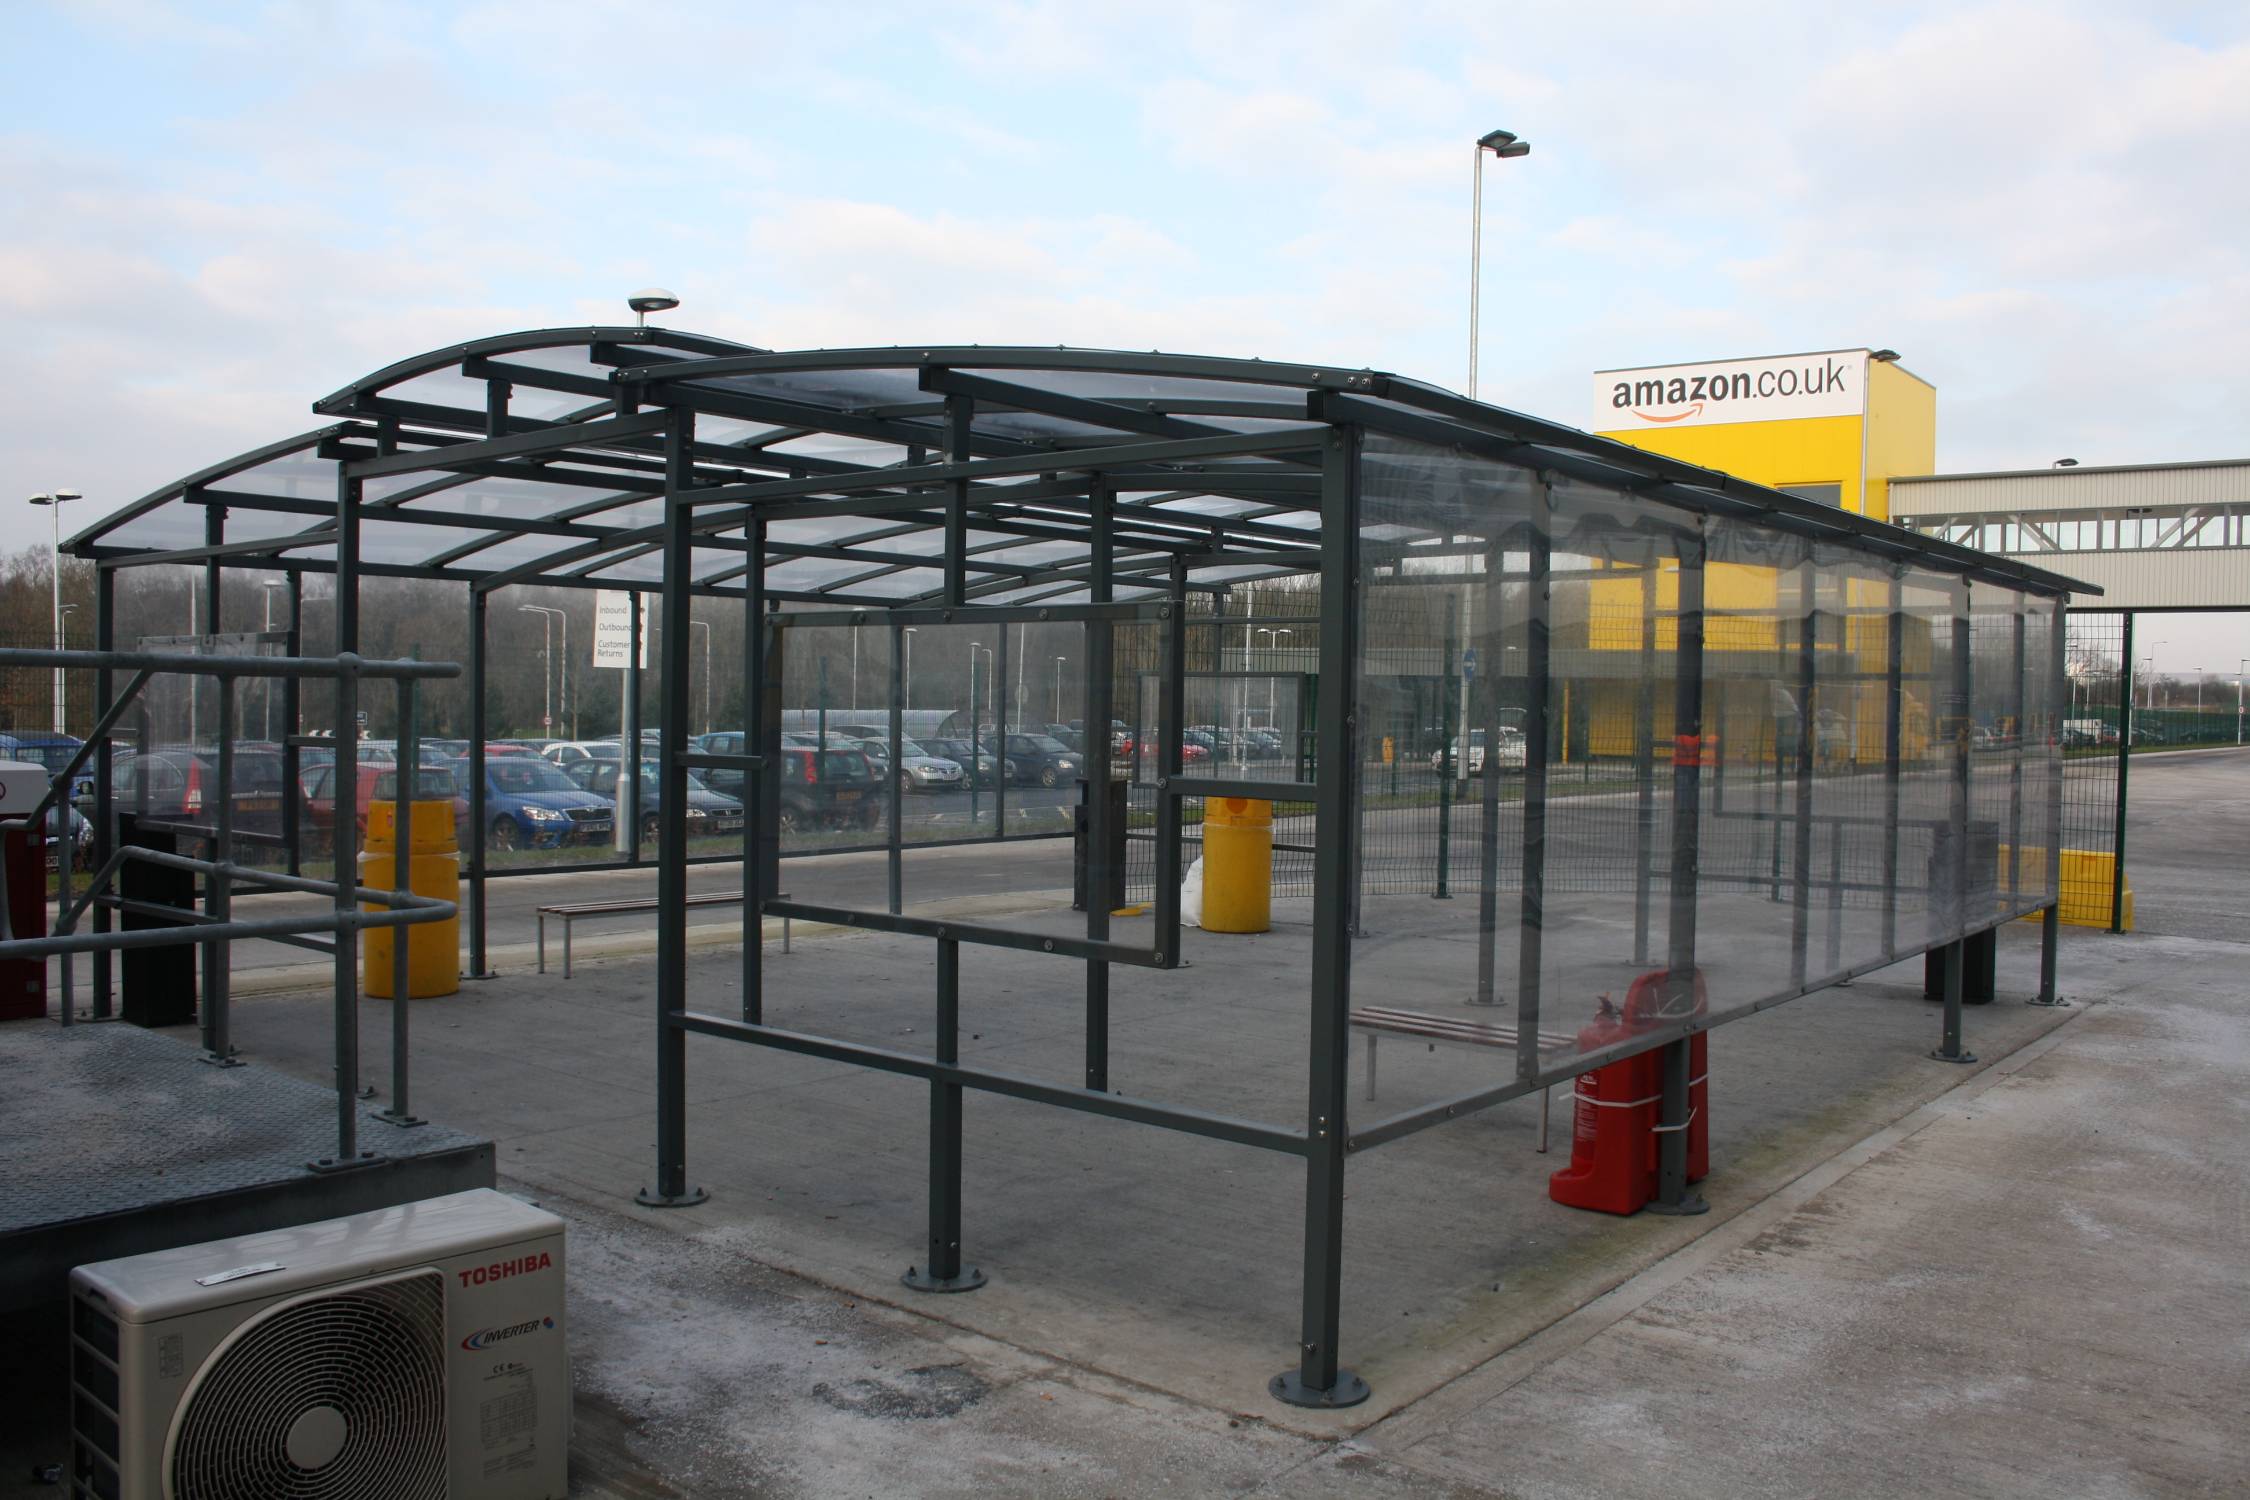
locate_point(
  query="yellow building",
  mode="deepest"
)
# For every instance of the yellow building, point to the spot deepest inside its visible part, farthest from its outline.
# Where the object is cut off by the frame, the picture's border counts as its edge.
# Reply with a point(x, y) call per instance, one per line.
point(1833, 427)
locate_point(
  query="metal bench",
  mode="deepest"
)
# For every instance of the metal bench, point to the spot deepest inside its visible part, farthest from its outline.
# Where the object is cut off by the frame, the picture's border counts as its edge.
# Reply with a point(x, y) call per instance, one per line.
point(568, 912)
point(1378, 1021)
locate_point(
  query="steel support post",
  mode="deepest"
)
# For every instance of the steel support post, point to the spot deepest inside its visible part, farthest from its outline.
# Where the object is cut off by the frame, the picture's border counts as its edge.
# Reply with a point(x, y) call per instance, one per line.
point(1959, 700)
point(1644, 769)
point(1894, 724)
point(1103, 885)
point(2050, 871)
point(344, 840)
point(894, 796)
point(479, 727)
point(2124, 778)
point(401, 1111)
point(1673, 1195)
point(761, 785)
point(2015, 761)
point(218, 897)
point(1808, 729)
point(105, 763)
point(1453, 665)
point(997, 685)
point(1171, 718)
point(1318, 1378)
point(941, 1269)
point(1538, 655)
point(1484, 710)
point(671, 1189)
point(292, 755)
point(628, 838)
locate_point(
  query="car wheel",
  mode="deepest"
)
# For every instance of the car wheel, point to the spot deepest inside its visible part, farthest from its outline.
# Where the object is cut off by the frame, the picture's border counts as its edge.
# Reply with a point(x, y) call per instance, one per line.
point(652, 827)
point(788, 819)
point(504, 833)
point(1047, 776)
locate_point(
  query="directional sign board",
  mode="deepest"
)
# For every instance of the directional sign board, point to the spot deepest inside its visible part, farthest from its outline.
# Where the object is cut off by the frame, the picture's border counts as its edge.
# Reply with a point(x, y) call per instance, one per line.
point(1469, 662)
point(613, 628)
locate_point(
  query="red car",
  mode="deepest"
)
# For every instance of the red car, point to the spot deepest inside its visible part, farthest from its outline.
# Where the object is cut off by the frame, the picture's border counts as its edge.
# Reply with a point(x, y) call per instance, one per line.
point(378, 782)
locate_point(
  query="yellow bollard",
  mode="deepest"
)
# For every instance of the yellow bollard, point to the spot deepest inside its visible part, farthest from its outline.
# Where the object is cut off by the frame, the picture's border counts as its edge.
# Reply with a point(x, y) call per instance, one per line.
point(433, 868)
point(1237, 865)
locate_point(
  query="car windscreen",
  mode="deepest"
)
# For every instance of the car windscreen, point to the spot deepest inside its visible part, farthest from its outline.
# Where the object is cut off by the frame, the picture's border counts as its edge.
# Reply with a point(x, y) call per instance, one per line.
point(522, 776)
point(1047, 743)
point(434, 783)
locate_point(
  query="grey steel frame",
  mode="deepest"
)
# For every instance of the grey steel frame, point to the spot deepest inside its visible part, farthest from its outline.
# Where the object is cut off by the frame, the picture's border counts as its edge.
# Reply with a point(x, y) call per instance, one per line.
point(216, 928)
point(636, 439)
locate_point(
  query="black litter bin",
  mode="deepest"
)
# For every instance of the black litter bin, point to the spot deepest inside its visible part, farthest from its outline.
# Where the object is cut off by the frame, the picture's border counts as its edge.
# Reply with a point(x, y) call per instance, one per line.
point(156, 985)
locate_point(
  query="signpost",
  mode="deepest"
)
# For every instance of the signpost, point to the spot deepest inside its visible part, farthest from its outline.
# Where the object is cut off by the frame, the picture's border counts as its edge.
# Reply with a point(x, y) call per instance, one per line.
point(621, 641)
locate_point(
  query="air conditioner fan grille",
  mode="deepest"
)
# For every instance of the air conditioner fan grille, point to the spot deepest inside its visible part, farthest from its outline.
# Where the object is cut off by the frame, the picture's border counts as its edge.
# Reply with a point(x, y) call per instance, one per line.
point(340, 1395)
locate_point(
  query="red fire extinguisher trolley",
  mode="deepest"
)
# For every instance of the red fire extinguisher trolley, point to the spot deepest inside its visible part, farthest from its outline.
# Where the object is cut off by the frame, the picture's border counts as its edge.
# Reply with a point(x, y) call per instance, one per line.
point(23, 981)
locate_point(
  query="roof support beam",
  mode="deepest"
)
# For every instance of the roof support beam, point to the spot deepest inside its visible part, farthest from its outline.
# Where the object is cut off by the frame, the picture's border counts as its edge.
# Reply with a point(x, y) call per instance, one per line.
point(516, 445)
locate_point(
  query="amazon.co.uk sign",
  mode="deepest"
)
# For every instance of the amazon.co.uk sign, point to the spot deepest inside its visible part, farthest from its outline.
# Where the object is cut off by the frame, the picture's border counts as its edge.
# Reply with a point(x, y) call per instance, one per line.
point(1831, 384)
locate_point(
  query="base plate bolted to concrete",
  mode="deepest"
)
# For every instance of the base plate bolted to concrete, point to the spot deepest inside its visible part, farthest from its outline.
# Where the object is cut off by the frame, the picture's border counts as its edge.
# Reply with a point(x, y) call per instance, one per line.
point(922, 1281)
point(1289, 1386)
point(1942, 1056)
point(649, 1198)
point(1687, 1207)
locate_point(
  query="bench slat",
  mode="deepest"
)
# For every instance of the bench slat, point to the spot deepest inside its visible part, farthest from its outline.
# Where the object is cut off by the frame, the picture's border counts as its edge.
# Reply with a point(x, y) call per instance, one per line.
point(648, 903)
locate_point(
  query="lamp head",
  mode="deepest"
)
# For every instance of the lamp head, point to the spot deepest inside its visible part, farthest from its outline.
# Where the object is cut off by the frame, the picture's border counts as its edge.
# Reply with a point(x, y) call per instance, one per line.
point(1883, 356)
point(650, 299)
point(2064, 463)
point(57, 498)
point(1504, 143)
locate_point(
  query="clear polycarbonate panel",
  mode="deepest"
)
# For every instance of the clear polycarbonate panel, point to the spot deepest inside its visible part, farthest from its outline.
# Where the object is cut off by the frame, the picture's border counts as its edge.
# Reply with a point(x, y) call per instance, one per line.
point(1871, 756)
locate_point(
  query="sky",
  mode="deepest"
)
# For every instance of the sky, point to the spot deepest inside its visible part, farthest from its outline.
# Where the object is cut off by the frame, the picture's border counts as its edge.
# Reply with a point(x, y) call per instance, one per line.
point(212, 215)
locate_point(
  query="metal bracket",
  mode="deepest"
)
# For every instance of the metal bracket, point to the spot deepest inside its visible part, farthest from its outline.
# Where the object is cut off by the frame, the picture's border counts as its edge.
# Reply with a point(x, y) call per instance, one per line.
point(393, 1117)
point(1289, 1386)
point(328, 1165)
point(648, 1198)
point(922, 1281)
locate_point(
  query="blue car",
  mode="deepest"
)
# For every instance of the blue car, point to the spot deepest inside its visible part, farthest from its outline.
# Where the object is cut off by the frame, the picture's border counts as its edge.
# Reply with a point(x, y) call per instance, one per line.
point(530, 804)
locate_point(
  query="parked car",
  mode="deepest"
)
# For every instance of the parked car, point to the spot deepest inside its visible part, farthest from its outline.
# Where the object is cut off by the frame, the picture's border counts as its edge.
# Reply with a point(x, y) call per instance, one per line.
point(182, 785)
point(567, 753)
point(1068, 734)
point(918, 769)
point(725, 780)
point(530, 804)
point(43, 748)
point(1508, 755)
point(960, 753)
point(708, 812)
point(828, 789)
point(378, 782)
point(1041, 758)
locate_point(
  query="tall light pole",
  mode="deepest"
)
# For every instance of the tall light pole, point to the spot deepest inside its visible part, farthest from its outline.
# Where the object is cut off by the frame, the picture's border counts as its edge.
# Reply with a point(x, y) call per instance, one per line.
point(906, 680)
point(1058, 687)
point(55, 500)
point(547, 657)
point(1273, 639)
point(267, 588)
point(1506, 145)
point(974, 648)
point(705, 627)
point(2238, 668)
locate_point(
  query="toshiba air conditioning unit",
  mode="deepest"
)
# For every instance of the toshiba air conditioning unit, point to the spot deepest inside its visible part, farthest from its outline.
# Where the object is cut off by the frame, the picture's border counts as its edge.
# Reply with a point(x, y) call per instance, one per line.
point(412, 1353)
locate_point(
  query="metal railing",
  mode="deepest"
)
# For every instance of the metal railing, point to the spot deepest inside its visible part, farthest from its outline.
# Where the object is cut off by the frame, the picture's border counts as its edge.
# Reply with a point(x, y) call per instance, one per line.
point(216, 927)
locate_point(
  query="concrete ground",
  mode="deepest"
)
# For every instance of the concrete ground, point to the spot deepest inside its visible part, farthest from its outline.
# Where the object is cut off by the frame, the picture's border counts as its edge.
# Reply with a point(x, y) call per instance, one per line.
point(2024, 1277)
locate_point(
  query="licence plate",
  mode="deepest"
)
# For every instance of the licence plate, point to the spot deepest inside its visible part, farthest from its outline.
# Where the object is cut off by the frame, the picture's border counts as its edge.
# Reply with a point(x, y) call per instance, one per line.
point(595, 825)
point(257, 804)
point(847, 796)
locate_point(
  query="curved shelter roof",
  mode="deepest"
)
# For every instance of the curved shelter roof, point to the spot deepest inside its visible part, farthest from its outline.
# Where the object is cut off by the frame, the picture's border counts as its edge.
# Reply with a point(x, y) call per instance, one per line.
point(544, 457)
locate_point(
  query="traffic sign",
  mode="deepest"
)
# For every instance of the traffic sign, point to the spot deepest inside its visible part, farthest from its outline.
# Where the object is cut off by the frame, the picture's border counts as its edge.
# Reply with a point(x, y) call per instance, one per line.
point(1469, 662)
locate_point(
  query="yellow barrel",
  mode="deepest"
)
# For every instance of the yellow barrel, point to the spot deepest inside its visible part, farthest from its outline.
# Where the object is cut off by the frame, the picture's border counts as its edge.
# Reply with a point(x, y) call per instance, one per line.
point(433, 868)
point(1237, 864)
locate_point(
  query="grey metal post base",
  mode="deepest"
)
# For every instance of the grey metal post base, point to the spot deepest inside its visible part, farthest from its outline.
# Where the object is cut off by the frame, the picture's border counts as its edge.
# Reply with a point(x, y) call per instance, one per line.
point(1950, 1049)
point(1289, 1386)
point(921, 1280)
point(2050, 924)
point(650, 1198)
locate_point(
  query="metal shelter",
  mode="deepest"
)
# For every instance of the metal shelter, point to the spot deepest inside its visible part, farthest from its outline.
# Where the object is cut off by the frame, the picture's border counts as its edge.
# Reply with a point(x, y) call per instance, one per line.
point(936, 489)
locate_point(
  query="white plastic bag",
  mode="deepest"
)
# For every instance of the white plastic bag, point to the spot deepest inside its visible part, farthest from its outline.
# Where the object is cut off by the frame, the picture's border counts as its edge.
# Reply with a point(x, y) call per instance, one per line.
point(1191, 895)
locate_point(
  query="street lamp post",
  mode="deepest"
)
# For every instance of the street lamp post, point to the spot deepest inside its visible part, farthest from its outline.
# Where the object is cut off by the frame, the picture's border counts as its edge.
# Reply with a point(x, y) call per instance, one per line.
point(547, 658)
point(2238, 668)
point(268, 587)
point(1506, 145)
point(1058, 687)
point(705, 627)
point(1273, 638)
point(906, 680)
point(55, 500)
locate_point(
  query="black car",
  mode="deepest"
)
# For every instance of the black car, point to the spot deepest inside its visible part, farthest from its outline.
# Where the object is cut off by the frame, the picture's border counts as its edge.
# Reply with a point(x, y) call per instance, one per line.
point(828, 789)
point(1041, 758)
point(987, 760)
